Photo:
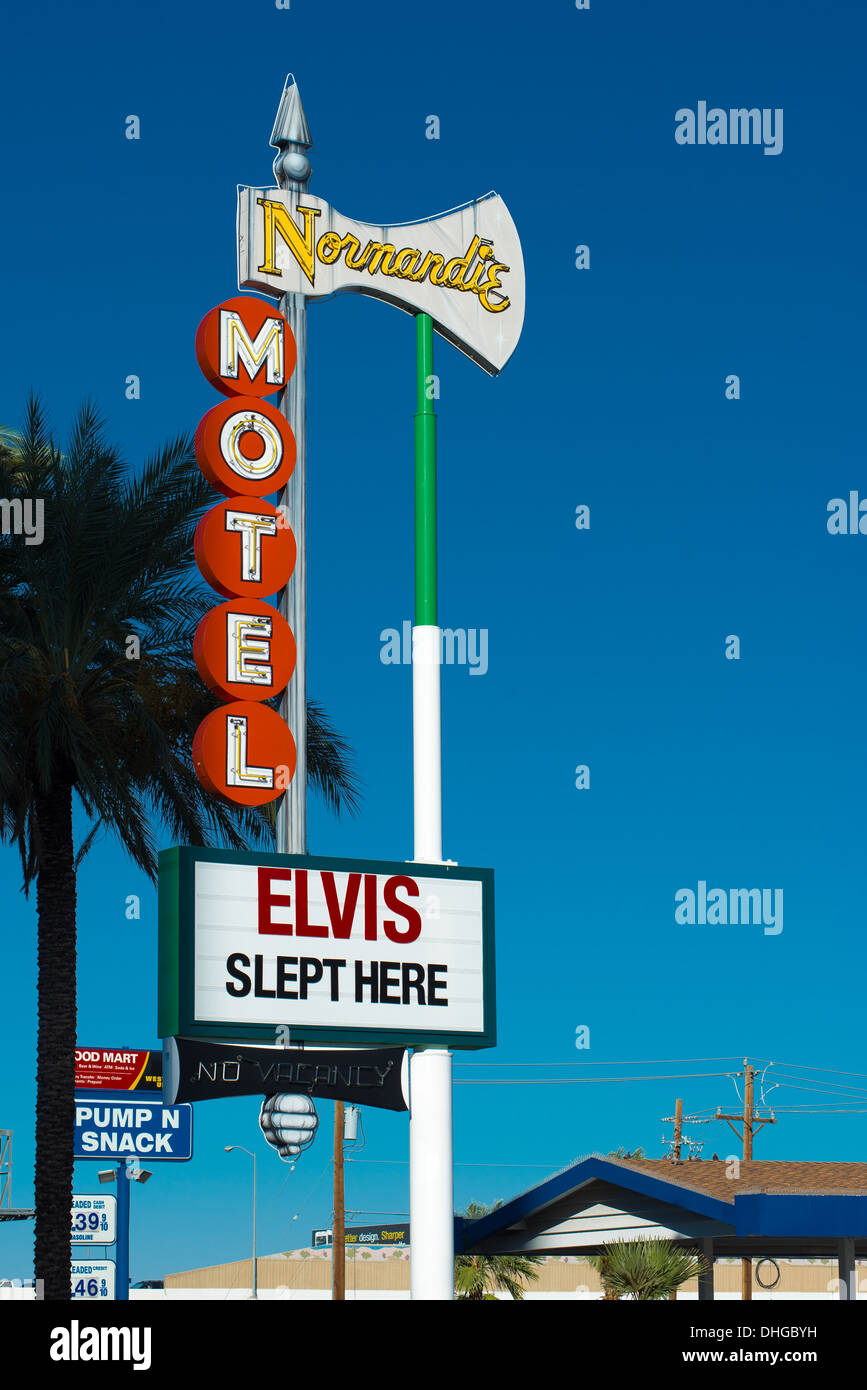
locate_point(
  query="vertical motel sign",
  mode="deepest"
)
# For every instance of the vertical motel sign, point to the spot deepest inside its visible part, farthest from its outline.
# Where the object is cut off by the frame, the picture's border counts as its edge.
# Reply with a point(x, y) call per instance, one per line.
point(244, 649)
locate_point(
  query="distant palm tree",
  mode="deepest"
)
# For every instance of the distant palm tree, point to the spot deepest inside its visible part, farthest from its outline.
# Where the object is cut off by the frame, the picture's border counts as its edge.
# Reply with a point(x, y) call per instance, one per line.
point(86, 713)
point(646, 1270)
point(478, 1276)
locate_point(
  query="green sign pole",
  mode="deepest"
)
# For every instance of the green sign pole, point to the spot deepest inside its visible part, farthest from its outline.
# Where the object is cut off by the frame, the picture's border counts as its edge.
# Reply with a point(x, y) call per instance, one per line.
point(425, 479)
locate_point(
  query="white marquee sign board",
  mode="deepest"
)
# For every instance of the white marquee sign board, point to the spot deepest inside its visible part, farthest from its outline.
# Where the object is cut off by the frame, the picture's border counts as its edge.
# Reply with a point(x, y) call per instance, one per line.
point(340, 949)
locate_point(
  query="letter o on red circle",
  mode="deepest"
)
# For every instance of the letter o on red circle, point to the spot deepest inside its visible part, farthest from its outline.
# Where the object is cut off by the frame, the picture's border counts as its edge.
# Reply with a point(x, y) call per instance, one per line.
point(245, 447)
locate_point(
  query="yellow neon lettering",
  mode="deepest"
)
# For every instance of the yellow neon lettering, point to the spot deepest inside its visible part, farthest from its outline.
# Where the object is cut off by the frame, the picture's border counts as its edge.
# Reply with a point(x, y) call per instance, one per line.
point(328, 247)
point(493, 283)
point(277, 222)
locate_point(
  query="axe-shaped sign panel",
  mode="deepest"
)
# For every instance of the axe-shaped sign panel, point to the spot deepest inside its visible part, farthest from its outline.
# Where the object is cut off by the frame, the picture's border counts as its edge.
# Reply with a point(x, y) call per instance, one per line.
point(464, 268)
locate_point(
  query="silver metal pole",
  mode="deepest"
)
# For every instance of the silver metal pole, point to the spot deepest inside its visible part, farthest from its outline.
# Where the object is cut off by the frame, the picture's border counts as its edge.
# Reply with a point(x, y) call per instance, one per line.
point(292, 809)
point(292, 169)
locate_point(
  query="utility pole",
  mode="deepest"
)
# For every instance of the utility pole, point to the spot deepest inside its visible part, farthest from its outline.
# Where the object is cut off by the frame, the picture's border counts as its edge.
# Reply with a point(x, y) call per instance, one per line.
point(678, 1128)
point(751, 1125)
point(338, 1234)
point(748, 1111)
point(746, 1262)
point(680, 1139)
point(675, 1150)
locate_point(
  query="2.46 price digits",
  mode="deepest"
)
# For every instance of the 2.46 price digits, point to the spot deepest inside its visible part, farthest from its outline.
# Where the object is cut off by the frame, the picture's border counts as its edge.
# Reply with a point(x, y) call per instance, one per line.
point(90, 1288)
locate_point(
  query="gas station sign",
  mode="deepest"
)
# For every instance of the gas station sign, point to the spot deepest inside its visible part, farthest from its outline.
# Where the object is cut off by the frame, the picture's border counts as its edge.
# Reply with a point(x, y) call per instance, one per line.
point(118, 1069)
point(132, 1129)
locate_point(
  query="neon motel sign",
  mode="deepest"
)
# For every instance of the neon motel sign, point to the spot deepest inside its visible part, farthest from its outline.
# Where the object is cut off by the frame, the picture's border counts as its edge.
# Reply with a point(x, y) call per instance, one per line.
point(244, 649)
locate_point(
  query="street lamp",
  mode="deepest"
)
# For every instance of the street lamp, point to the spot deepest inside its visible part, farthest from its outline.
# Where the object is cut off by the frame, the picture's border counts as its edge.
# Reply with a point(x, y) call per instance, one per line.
point(229, 1148)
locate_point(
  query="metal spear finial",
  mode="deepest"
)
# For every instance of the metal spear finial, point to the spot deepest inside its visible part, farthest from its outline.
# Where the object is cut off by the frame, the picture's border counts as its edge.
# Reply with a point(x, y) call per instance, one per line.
point(291, 137)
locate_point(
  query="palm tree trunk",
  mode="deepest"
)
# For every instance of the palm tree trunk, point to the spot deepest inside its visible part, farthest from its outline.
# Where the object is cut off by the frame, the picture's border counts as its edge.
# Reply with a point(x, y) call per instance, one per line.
point(55, 1059)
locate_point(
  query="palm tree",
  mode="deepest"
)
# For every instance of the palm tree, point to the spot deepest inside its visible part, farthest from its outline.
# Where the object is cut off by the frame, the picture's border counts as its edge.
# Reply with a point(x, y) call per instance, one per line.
point(646, 1270)
point(477, 1276)
point(99, 700)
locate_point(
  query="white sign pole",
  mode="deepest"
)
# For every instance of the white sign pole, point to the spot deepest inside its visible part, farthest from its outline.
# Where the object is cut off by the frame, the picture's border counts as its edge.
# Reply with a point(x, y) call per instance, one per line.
point(431, 1158)
point(292, 169)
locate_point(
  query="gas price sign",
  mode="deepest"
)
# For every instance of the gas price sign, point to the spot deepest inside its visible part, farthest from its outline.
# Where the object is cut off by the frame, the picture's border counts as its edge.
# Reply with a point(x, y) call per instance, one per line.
point(93, 1279)
point(94, 1220)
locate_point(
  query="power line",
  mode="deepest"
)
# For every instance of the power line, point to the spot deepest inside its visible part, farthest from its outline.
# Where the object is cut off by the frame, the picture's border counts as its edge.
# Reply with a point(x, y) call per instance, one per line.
point(838, 1085)
point(404, 1161)
point(585, 1080)
point(813, 1104)
point(296, 1215)
point(359, 1211)
point(820, 1090)
point(805, 1066)
point(796, 1111)
point(640, 1062)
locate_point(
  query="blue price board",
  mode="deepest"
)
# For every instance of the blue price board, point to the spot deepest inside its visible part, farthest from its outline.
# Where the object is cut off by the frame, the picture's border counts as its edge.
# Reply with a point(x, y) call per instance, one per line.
point(122, 1130)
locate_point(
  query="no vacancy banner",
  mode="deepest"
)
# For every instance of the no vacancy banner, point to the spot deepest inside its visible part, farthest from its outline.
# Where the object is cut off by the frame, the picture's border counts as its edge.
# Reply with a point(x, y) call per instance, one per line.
point(331, 949)
point(196, 1070)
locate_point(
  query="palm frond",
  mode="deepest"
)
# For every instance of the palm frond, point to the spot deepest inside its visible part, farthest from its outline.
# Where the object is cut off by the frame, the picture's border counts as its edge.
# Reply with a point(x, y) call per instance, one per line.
point(115, 563)
point(480, 1276)
point(646, 1270)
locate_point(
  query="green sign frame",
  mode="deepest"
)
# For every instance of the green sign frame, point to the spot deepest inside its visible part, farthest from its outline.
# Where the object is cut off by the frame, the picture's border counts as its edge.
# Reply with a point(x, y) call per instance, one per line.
point(176, 1003)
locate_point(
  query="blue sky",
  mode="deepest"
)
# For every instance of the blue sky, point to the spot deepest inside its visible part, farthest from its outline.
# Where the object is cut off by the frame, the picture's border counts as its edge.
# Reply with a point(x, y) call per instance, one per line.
point(606, 646)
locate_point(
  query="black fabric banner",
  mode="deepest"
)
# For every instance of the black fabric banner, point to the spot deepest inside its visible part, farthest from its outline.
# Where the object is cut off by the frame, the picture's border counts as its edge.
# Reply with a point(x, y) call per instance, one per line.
point(197, 1070)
